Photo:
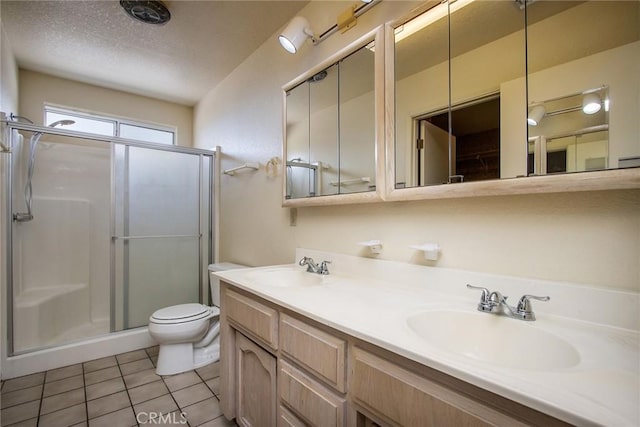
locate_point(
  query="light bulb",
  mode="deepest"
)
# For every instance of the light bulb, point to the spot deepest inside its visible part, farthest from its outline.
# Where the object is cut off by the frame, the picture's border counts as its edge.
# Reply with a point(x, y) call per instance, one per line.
point(591, 103)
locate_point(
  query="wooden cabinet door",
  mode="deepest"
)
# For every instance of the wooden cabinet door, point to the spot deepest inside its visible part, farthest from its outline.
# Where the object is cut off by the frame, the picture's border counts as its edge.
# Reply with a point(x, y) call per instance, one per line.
point(255, 384)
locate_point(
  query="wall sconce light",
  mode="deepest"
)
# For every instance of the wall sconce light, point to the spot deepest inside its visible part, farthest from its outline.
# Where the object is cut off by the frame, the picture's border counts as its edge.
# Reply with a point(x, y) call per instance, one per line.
point(591, 103)
point(536, 114)
point(295, 34)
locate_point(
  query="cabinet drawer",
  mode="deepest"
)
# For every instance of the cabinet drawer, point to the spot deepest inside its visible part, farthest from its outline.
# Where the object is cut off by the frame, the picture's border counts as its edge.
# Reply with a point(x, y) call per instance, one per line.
point(253, 317)
point(309, 399)
point(287, 419)
point(403, 398)
point(319, 352)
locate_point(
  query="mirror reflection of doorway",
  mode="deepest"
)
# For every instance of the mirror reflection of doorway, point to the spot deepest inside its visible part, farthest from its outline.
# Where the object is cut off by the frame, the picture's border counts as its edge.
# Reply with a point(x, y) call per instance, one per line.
point(474, 150)
point(433, 154)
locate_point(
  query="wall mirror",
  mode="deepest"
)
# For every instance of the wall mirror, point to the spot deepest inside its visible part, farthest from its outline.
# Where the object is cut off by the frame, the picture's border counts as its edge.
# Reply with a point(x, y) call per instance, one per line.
point(331, 129)
point(466, 82)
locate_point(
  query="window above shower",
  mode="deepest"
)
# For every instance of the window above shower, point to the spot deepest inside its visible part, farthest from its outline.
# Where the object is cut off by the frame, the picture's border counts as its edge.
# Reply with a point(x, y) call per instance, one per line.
point(111, 126)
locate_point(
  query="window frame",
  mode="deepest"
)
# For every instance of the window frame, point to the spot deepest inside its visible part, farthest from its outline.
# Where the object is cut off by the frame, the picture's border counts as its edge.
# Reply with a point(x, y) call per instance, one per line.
point(117, 121)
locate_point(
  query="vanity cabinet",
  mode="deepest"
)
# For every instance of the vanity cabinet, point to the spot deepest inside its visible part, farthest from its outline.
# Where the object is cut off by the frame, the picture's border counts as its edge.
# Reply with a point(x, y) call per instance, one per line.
point(299, 372)
point(311, 366)
point(399, 397)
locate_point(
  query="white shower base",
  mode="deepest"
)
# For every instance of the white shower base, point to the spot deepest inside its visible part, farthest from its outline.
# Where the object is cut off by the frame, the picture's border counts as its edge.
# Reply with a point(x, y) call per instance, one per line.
point(52, 315)
point(70, 354)
point(90, 329)
point(56, 320)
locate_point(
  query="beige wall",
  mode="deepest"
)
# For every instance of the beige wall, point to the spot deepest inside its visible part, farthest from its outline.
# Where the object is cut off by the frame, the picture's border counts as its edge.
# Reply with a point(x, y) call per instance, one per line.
point(591, 238)
point(36, 89)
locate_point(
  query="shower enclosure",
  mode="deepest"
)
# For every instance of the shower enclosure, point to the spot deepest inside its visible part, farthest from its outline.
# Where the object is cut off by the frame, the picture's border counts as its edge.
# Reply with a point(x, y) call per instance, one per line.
point(119, 228)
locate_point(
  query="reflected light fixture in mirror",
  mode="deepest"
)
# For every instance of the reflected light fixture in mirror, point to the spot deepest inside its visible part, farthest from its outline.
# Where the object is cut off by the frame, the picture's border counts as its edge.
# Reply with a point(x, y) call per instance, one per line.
point(535, 115)
point(591, 103)
point(295, 34)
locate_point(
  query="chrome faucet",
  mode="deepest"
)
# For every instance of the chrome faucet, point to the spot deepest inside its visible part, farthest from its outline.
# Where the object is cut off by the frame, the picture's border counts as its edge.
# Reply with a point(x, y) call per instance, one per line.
point(312, 267)
point(495, 302)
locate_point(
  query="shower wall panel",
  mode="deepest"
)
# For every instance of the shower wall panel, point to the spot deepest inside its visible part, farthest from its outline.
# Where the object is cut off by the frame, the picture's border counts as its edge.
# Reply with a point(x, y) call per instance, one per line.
point(61, 257)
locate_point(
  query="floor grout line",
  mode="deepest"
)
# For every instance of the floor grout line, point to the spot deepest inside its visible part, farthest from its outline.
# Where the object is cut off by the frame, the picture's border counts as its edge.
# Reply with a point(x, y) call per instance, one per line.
point(44, 382)
point(127, 390)
point(84, 390)
point(174, 399)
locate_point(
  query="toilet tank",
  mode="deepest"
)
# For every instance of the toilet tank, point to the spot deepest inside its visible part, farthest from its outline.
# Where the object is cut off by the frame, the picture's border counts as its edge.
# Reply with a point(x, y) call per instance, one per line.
point(214, 282)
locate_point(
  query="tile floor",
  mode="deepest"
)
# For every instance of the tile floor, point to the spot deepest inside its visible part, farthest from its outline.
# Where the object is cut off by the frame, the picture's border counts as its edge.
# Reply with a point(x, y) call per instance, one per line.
point(115, 391)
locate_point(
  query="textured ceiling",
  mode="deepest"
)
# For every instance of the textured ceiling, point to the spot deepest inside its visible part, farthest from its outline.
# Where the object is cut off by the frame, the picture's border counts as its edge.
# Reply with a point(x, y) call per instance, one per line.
point(96, 42)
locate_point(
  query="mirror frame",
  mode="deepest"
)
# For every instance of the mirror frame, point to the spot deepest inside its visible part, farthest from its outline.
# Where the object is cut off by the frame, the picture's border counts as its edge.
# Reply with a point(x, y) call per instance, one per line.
point(611, 179)
point(376, 35)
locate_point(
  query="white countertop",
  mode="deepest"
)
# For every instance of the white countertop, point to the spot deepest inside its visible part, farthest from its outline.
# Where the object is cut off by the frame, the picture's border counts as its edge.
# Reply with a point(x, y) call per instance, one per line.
point(372, 299)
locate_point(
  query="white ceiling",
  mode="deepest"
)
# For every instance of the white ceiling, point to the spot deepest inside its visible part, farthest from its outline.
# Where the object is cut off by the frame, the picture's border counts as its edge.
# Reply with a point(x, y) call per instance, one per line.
point(95, 41)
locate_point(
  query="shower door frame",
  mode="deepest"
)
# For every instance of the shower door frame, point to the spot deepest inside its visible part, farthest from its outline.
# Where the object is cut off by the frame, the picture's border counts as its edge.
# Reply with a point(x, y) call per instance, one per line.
point(207, 246)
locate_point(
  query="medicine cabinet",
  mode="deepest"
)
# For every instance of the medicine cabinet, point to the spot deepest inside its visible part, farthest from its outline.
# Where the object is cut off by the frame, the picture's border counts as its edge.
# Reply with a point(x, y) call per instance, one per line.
point(491, 97)
point(471, 98)
point(334, 128)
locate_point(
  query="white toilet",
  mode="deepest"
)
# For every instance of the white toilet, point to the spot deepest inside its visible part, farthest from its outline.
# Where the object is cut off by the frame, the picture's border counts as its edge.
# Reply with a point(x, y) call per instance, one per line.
point(189, 334)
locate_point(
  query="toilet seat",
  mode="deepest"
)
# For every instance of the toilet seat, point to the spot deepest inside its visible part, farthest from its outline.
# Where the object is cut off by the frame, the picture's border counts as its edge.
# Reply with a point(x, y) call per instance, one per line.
point(183, 313)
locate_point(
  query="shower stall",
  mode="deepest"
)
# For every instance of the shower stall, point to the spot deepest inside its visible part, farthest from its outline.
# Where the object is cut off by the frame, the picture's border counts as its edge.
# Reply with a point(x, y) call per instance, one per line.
point(98, 232)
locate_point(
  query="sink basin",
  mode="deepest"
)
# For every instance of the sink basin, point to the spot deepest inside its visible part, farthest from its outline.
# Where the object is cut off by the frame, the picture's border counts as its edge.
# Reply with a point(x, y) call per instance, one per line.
point(287, 277)
point(494, 339)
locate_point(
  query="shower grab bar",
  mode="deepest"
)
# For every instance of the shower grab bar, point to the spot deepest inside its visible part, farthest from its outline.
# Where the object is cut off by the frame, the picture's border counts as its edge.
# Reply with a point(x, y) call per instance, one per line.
point(167, 236)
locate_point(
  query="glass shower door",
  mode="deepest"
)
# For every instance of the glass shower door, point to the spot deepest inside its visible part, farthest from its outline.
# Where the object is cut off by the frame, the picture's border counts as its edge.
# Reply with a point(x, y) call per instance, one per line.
point(160, 221)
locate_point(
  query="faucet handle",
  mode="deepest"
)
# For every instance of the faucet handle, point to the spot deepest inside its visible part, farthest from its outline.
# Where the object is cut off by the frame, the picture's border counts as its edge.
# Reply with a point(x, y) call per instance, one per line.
point(323, 267)
point(524, 306)
point(484, 297)
point(487, 303)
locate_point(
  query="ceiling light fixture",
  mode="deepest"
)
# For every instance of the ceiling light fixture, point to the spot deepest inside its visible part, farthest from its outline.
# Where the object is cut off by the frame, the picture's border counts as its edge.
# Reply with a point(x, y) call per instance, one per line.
point(536, 114)
point(298, 30)
point(591, 103)
point(147, 11)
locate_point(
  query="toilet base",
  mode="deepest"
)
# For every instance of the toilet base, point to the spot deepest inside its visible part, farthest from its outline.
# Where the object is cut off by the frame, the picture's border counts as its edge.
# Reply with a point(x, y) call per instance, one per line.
point(205, 356)
point(177, 358)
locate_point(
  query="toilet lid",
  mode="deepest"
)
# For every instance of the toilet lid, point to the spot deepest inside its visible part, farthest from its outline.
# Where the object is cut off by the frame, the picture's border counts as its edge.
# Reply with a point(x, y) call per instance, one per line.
point(183, 313)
